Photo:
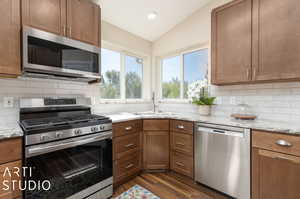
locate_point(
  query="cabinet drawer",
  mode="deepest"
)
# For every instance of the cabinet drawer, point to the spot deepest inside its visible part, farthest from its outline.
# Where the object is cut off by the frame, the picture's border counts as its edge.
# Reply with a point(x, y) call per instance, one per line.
point(125, 167)
point(156, 125)
point(182, 164)
point(10, 150)
point(125, 128)
point(288, 144)
point(181, 142)
point(126, 145)
point(182, 126)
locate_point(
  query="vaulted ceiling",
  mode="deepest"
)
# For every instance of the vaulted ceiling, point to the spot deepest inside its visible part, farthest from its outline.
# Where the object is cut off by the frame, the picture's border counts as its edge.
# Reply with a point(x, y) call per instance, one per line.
point(131, 15)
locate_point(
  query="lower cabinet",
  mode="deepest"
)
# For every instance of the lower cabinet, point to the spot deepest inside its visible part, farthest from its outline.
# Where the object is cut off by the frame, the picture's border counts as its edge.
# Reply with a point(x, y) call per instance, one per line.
point(8, 189)
point(126, 167)
point(126, 150)
point(10, 168)
point(156, 143)
point(182, 147)
point(275, 174)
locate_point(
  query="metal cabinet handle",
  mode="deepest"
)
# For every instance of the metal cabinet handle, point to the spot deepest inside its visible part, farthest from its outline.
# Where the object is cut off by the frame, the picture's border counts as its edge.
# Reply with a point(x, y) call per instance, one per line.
point(179, 164)
point(180, 126)
point(248, 73)
point(128, 128)
point(64, 31)
point(283, 143)
point(180, 143)
point(129, 166)
point(129, 145)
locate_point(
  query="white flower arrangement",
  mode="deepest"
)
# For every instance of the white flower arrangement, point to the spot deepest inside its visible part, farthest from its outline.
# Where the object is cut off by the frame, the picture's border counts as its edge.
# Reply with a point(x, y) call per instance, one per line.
point(196, 88)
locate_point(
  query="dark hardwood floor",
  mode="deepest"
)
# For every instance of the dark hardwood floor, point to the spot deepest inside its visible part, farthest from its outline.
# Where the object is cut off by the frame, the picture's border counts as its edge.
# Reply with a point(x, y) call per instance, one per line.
point(170, 186)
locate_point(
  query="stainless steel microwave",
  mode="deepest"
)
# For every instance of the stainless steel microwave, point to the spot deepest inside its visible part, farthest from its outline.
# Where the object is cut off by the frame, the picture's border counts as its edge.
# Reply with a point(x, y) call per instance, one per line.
point(46, 55)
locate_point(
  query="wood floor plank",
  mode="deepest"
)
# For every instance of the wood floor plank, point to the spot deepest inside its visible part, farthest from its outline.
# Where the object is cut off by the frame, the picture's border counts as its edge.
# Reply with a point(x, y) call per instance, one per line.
point(169, 185)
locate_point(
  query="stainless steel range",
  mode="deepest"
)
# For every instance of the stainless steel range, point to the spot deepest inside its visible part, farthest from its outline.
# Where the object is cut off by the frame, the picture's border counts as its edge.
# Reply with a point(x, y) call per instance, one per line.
point(67, 146)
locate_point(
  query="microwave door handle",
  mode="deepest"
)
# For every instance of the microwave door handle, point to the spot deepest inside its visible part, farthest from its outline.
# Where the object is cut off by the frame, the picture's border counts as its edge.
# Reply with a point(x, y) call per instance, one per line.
point(51, 148)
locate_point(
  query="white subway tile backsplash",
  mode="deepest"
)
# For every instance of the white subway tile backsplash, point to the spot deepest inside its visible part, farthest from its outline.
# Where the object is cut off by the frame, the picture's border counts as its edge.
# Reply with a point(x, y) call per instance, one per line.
point(30, 88)
point(277, 101)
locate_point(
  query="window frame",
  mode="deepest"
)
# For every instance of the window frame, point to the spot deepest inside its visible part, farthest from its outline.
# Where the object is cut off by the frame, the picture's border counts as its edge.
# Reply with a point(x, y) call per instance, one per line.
point(123, 99)
point(181, 54)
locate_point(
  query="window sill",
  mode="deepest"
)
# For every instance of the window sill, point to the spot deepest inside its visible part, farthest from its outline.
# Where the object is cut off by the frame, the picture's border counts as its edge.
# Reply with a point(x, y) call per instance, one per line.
point(129, 101)
point(174, 101)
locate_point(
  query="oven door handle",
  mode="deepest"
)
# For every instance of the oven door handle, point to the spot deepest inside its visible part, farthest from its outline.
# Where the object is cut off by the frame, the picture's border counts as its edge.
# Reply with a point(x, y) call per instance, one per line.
point(47, 148)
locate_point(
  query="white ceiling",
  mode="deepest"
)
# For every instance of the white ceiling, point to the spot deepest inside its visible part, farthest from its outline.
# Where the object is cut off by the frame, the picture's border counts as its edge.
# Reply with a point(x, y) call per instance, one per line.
point(131, 15)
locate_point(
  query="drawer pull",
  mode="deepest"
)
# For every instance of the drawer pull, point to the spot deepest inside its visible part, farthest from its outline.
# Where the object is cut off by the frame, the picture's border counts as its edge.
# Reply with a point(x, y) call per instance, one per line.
point(129, 166)
point(283, 143)
point(129, 145)
point(179, 164)
point(180, 126)
point(128, 128)
point(181, 144)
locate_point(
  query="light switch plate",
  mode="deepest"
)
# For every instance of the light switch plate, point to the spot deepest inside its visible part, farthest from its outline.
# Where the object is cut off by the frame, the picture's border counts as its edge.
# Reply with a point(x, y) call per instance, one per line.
point(8, 102)
point(233, 100)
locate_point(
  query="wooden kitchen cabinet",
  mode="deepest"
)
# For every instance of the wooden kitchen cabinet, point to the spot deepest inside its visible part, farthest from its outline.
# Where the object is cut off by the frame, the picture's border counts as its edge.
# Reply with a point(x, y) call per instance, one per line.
point(255, 41)
point(83, 19)
point(127, 150)
point(231, 43)
point(76, 19)
point(12, 162)
point(47, 15)
point(10, 30)
point(276, 44)
point(156, 150)
point(182, 147)
point(275, 168)
point(5, 177)
point(156, 144)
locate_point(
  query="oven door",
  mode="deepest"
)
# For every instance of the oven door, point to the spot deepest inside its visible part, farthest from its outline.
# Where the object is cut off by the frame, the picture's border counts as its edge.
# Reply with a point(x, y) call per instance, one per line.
point(75, 168)
point(47, 53)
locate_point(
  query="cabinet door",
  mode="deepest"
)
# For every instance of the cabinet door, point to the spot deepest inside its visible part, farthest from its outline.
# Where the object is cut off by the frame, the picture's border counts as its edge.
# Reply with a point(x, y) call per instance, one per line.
point(156, 150)
point(13, 191)
point(10, 63)
point(231, 43)
point(47, 15)
point(276, 43)
point(275, 175)
point(83, 20)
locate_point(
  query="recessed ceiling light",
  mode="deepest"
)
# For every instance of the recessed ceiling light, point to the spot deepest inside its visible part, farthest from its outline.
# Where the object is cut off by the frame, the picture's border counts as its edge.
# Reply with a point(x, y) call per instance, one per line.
point(152, 16)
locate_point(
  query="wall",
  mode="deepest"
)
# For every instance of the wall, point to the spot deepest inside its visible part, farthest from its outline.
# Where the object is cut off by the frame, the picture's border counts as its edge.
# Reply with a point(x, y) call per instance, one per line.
point(278, 101)
point(28, 88)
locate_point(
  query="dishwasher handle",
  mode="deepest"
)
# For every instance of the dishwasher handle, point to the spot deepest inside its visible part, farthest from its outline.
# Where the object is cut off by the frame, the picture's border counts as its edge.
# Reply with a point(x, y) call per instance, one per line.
point(219, 131)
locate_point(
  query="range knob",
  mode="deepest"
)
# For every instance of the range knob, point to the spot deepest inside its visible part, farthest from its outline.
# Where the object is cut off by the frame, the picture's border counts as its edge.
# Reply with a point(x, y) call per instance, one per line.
point(102, 128)
point(78, 131)
point(58, 134)
point(44, 138)
point(94, 129)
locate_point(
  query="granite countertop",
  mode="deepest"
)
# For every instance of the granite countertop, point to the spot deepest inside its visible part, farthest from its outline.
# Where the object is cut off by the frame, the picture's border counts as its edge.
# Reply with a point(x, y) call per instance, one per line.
point(10, 132)
point(265, 125)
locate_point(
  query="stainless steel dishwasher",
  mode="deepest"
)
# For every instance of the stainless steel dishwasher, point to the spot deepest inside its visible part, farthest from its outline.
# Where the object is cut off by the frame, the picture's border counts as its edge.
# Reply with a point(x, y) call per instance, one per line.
point(222, 158)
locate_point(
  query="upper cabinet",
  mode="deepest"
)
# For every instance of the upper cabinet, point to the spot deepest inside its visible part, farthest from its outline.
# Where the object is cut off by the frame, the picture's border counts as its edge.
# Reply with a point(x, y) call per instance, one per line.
point(47, 15)
point(255, 41)
point(276, 43)
point(231, 42)
point(10, 59)
point(83, 21)
point(76, 19)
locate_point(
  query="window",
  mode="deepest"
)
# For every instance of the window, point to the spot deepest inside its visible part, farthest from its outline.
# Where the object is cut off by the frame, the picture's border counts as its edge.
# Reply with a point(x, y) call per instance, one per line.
point(171, 77)
point(122, 79)
point(133, 77)
point(180, 71)
point(111, 66)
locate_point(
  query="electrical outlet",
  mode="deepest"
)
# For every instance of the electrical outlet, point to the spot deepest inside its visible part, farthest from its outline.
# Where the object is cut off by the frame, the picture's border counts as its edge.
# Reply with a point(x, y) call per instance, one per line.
point(8, 102)
point(233, 100)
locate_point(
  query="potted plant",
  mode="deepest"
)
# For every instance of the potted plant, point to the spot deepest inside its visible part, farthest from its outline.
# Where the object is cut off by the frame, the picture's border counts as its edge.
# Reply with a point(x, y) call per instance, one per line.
point(199, 95)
